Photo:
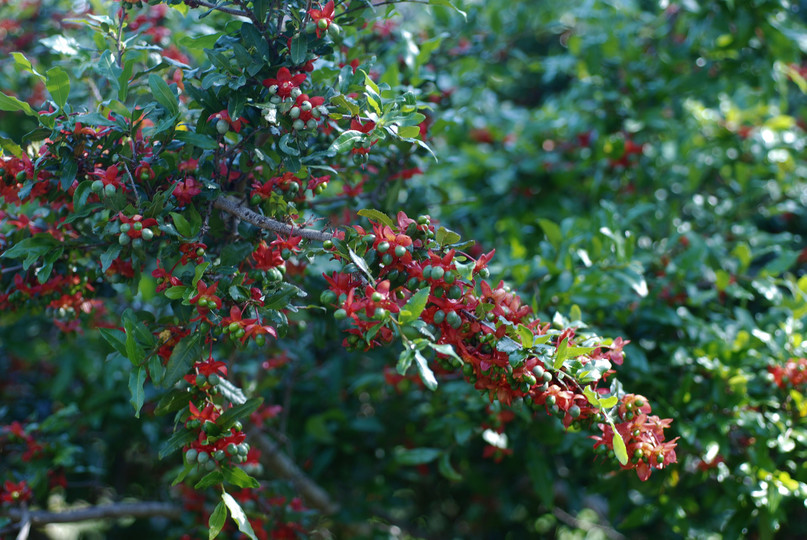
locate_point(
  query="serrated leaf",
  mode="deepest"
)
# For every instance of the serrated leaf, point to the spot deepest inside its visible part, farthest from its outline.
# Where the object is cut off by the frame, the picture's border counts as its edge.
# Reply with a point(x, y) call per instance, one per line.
point(137, 379)
point(238, 515)
point(163, 95)
point(237, 477)
point(58, 84)
point(414, 307)
point(217, 520)
point(377, 215)
point(426, 374)
point(619, 447)
point(184, 355)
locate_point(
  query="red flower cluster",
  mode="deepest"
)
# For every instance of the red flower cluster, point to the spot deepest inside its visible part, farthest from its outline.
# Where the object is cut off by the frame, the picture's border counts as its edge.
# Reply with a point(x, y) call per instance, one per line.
point(485, 326)
point(322, 17)
point(15, 493)
point(284, 83)
point(792, 375)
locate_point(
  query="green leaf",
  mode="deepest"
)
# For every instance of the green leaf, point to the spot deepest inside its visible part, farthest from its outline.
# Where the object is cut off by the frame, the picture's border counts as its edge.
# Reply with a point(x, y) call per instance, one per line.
point(26, 65)
point(608, 402)
point(238, 516)
point(116, 338)
point(12, 104)
point(58, 84)
point(445, 468)
point(217, 520)
point(177, 292)
point(591, 396)
point(283, 144)
point(362, 264)
point(345, 141)
point(552, 232)
point(213, 478)
point(426, 374)
point(163, 94)
point(377, 215)
point(415, 456)
point(172, 401)
point(449, 4)
point(182, 225)
point(404, 361)
point(233, 414)
point(445, 348)
point(619, 446)
point(198, 272)
point(299, 49)
point(133, 352)
point(177, 441)
point(526, 336)
point(109, 256)
point(414, 307)
point(200, 43)
point(409, 132)
point(560, 354)
point(196, 139)
point(137, 378)
point(184, 355)
point(445, 236)
point(237, 477)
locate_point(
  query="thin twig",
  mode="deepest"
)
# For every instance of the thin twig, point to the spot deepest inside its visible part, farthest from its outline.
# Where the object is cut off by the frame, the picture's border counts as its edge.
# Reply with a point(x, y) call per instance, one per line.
point(25, 529)
point(232, 206)
point(572, 521)
point(280, 465)
point(105, 511)
point(215, 7)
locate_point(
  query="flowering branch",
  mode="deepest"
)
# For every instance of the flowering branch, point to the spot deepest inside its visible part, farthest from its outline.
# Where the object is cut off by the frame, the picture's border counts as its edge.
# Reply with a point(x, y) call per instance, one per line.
point(232, 206)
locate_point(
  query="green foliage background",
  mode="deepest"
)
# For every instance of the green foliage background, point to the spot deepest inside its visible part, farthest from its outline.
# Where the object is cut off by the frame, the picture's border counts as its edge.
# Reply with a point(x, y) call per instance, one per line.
point(636, 165)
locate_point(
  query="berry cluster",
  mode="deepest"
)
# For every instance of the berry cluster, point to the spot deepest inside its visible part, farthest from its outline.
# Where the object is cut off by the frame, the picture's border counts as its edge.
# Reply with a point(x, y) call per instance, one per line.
point(431, 293)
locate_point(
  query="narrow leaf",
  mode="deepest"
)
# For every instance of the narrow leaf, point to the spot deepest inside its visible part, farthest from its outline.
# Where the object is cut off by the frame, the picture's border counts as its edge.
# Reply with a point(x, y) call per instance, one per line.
point(163, 94)
point(426, 374)
point(561, 353)
point(619, 446)
point(217, 520)
point(137, 378)
point(238, 515)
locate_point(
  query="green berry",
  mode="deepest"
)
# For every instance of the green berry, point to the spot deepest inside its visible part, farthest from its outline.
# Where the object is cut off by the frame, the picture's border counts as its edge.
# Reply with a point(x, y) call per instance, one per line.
point(439, 316)
point(190, 455)
point(124, 239)
point(454, 320)
point(438, 272)
point(339, 314)
point(125, 227)
point(400, 251)
point(454, 292)
point(383, 247)
point(147, 234)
